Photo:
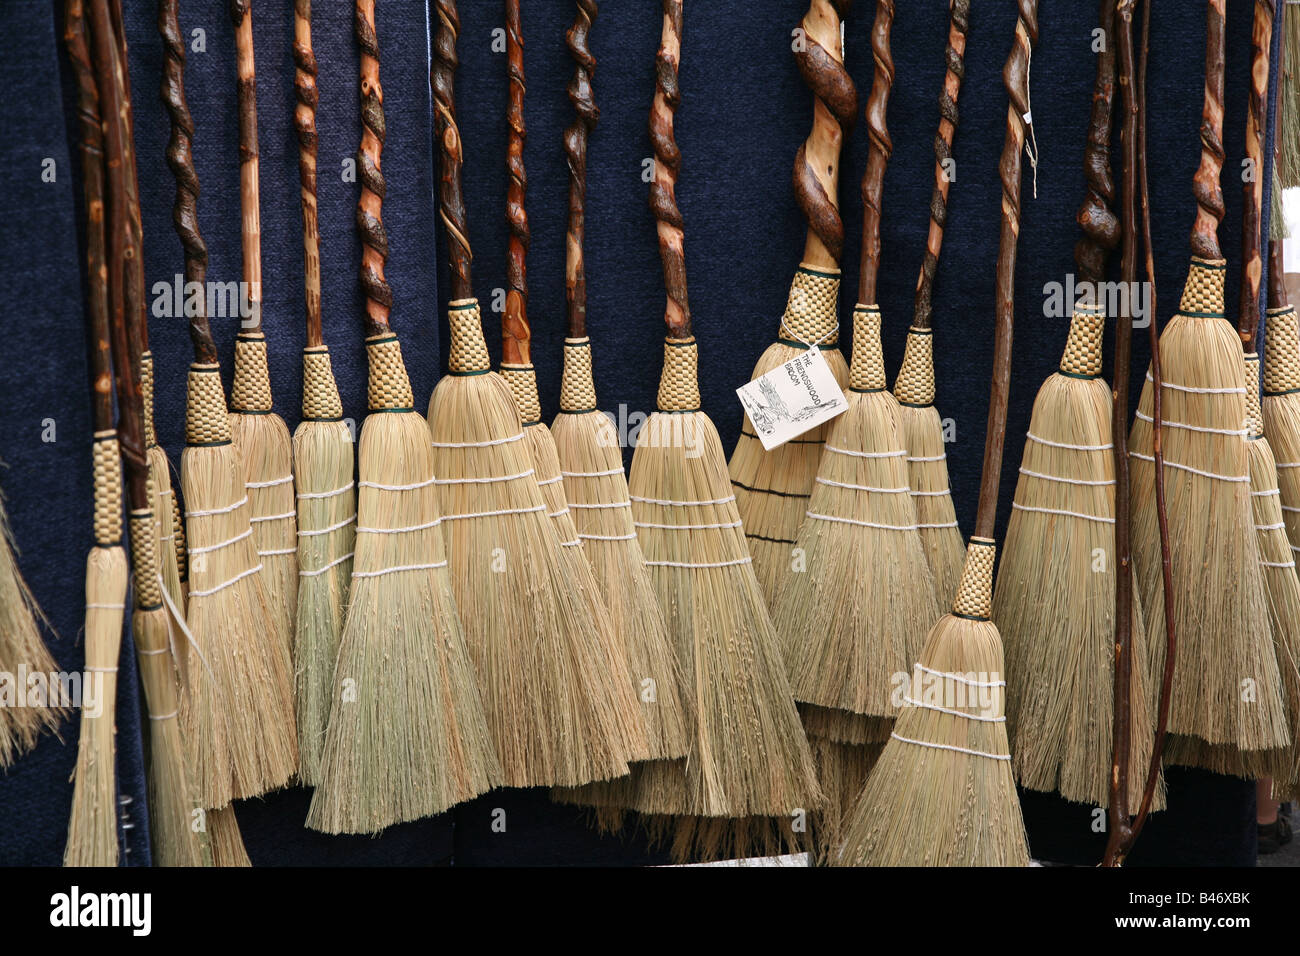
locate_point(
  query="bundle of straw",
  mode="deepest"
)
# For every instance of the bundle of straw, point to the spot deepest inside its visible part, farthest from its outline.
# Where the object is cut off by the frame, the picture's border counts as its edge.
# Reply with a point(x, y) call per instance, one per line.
point(923, 430)
point(407, 736)
point(1288, 111)
point(1224, 635)
point(749, 757)
point(168, 530)
point(772, 487)
point(553, 679)
point(322, 450)
point(261, 435)
point(226, 843)
point(942, 792)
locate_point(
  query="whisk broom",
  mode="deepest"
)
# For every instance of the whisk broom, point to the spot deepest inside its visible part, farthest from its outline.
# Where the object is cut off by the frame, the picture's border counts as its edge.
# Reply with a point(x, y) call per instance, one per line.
point(412, 740)
point(749, 757)
point(772, 487)
point(261, 435)
point(551, 675)
point(942, 792)
point(323, 456)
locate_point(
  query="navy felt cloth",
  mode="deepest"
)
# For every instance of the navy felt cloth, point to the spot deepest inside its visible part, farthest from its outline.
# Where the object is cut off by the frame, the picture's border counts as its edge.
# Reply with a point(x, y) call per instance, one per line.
point(744, 113)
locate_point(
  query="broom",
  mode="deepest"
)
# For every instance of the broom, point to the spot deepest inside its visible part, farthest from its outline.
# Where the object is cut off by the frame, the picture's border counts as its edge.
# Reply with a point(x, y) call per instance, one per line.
point(1288, 112)
point(322, 449)
point(749, 757)
point(840, 642)
point(551, 675)
point(1223, 630)
point(258, 432)
point(914, 387)
point(942, 792)
point(406, 736)
point(772, 487)
point(592, 469)
point(1053, 605)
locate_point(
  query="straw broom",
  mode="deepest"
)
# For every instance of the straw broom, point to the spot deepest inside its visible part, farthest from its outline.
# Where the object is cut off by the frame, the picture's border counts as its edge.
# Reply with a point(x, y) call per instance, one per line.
point(407, 737)
point(552, 678)
point(1288, 111)
point(1053, 603)
point(1223, 630)
point(942, 792)
point(322, 450)
point(261, 435)
point(772, 487)
point(749, 757)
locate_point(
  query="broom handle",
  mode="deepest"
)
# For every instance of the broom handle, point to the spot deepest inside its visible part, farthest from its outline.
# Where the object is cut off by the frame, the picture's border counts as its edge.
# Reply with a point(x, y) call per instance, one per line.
point(1277, 294)
point(134, 300)
point(180, 158)
point(241, 14)
point(515, 334)
point(820, 58)
point(668, 165)
point(1206, 186)
point(370, 207)
point(575, 149)
point(954, 56)
point(1100, 226)
point(451, 194)
point(1015, 76)
point(880, 149)
point(1252, 263)
point(92, 177)
point(304, 116)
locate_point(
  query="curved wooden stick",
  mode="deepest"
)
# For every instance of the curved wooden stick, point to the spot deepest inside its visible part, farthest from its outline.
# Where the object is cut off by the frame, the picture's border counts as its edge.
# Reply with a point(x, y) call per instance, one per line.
point(881, 148)
point(370, 207)
point(515, 334)
point(668, 165)
point(1101, 231)
point(451, 195)
point(1206, 186)
point(180, 158)
point(241, 13)
point(304, 116)
point(820, 57)
point(1015, 76)
point(1252, 263)
point(575, 150)
point(954, 56)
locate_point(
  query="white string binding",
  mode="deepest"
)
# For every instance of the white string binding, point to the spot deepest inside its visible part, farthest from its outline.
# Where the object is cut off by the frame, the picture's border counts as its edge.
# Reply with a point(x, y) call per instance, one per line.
point(1278, 564)
point(343, 489)
point(276, 551)
point(960, 750)
point(283, 517)
point(165, 716)
point(706, 564)
point(415, 527)
point(1281, 525)
point(400, 567)
point(591, 474)
point(494, 514)
point(557, 514)
point(221, 544)
point(269, 484)
point(1194, 471)
point(105, 607)
point(608, 537)
point(478, 444)
point(959, 678)
point(543, 482)
point(1241, 390)
point(1066, 481)
point(901, 453)
point(225, 584)
point(912, 459)
point(334, 527)
point(1066, 445)
point(1266, 494)
point(383, 487)
point(954, 713)
point(862, 524)
point(852, 487)
point(218, 511)
point(483, 481)
point(1164, 423)
point(1016, 506)
point(682, 504)
point(944, 524)
point(617, 504)
point(686, 527)
point(333, 564)
point(932, 494)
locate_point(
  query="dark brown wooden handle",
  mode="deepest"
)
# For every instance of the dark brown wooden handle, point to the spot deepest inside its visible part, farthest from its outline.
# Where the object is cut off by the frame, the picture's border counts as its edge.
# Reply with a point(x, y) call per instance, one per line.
point(955, 71)
point(304, 118)
point(881, 148)
point(668, 165)
point(1277, 294)
point(370, 207)
point(515, 334)
point(1100, 226)
point(1252, 261)
point(241, 14)
point(1015, 76)
point(451, 194)
point(575, 150)
point(180, 158)
point(1206, 186)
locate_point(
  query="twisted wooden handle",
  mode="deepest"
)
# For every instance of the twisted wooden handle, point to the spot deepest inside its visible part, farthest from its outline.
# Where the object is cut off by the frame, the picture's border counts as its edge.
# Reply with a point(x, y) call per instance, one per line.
point(668, 164)
point(575, 150)
point(515, 334)
point(451, 195)
point(304, 117)
point(820, 57)
point(241, 14)
point(180, 158)
point(134, 300)
point(1015, 76)
point(1206, 186)
point(1100, 227)
point(954, 58)
point(881, 148)
point(370, 207)
point(1252, 263)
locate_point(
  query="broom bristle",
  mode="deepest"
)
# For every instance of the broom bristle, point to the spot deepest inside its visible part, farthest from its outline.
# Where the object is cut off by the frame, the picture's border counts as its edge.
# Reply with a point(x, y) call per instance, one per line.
point(164, 526)
point(559, 714)
point(238, 715)
point(843, 770)
point(327, 508)
point(843, 727)
point(772, 487)
point(1055, 596)
point(1226, 689)
point(227, 842)
point(92, 828)
point(942, 792)
point(1289, 118)
point(692, 840)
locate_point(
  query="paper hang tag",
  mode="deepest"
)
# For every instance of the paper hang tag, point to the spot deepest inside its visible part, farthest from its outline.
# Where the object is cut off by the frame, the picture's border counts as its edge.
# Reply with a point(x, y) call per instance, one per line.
point(792, 398)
